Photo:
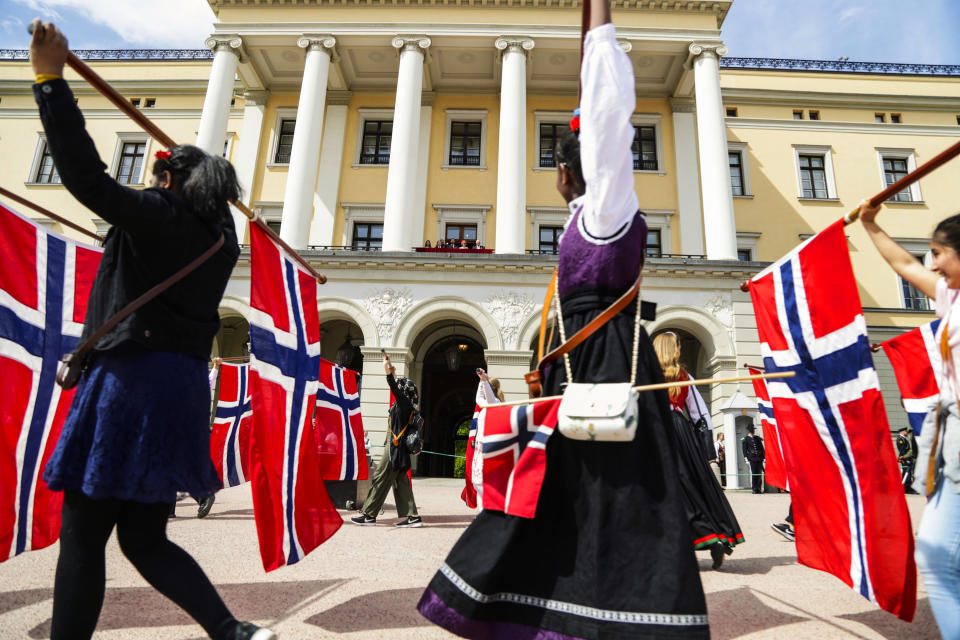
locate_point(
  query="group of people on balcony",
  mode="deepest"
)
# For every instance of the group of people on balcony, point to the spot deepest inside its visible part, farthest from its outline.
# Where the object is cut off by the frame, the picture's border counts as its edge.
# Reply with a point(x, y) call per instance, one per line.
point(452, 243)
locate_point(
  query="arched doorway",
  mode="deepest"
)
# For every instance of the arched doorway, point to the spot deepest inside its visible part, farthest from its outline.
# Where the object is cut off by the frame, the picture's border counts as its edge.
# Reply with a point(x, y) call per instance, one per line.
point(340, 342)
point(452, 351)
point(233, 338)
point(691, 357)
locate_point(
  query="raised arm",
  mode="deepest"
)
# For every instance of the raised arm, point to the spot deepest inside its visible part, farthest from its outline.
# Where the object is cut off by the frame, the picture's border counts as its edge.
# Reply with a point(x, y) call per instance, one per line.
point(896, 256)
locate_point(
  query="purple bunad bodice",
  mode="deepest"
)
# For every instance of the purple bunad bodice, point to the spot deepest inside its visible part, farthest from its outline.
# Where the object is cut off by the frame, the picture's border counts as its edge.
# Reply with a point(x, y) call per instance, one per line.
point(609, 264)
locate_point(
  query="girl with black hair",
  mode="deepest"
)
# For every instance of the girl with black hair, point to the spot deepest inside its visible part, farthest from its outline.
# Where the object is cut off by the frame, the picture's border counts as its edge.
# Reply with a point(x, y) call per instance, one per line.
point(608, 553)
point(137, 431)
point(938, 460)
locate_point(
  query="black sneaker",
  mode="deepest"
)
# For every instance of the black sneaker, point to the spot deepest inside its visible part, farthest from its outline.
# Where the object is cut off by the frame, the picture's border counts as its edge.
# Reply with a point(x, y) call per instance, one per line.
point(717, 554)
point(205, 505)
point(364, 520)
point(250, 631)
point(785, 530)
point(411, 522)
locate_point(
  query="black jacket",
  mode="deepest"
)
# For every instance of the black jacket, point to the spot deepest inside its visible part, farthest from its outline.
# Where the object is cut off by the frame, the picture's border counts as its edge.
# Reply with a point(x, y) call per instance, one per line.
point(752, 448)
point(399, 417)
point(154, 234)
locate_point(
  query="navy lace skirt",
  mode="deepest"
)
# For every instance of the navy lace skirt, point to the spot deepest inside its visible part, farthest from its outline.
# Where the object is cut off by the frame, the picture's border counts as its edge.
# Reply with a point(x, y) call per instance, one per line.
point(138, 429)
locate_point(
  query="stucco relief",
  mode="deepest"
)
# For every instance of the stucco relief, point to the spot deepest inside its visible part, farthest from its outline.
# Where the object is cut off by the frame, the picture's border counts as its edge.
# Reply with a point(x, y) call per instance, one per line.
point(509, 309)
point(720, 308)
point(387, 307)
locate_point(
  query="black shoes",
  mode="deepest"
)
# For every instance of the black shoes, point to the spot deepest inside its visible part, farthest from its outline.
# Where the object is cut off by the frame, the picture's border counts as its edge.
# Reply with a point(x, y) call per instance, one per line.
point(250, 631)
point(411, 522)
point(785, 530)
point(205, 505)
point(364, 520)
point(717, 552)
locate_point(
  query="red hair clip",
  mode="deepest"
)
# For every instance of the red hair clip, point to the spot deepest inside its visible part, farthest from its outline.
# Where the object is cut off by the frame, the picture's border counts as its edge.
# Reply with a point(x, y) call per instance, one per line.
point(163, 154)
point(575, 121)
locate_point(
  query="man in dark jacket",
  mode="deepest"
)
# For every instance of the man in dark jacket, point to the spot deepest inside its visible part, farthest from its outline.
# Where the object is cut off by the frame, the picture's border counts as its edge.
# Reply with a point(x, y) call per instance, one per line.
point(752, 446)
point(395, 461)
point(907, 457)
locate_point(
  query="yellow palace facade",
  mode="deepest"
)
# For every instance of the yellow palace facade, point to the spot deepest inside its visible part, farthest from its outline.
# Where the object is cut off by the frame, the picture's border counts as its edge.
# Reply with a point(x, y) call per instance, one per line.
point(362, 129)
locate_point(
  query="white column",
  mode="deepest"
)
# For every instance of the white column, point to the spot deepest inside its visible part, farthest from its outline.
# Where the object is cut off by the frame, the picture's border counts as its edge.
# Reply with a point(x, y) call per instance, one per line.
point(398, 212)
point(423, 166)
point(216, 105)
point(512, 155)
point(733, 449)
point(688, 176)
point(248, 149)
point(719, 223)
point(307, 133)
point(328, 181)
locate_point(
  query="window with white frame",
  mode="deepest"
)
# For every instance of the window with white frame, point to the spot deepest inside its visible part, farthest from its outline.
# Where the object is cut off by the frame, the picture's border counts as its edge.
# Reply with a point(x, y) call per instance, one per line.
point(544, 223)
point(129, 158)
point(549, 240)
point(895, 164)
point(271, 212)
point(659, 241)
point(374, 135)
point(465, 144)
point(548, 135)
point(815, 180)
point(911, 297)
point(646, 147)
point(43, 170)
point(739, 169)
point(747, 245)
point(458, 222)
point(283, 130)
point(363, 226)
point(654, 243)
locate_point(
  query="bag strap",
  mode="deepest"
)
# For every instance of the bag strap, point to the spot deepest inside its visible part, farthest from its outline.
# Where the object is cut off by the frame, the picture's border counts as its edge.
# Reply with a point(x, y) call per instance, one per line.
point(396, 437)
point(151, 293)
point(619, 305)
point(545, 313)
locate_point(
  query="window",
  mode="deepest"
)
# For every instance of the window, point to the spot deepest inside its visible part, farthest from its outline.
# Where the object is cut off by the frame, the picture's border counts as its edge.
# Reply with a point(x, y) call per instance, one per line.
point(135, 102)
point(644, 148)
point(550, 239)
point(798, 114)
point(814, 115)
point(550, 134)
point(958, 120)
point(731, 112)
point(879, 117)
point(274, 226)
point(284, 141)
point(913, 298)
point(744, 255)
point(46, 172)
point(130, 167)
point(654, 246)
point(893, 170)
point(367, 236)
point(736, 173)
point(149, 103)
point(813, 177)
point(895, 118)
point(465, 143)
point(459, 232)
point(375, 146)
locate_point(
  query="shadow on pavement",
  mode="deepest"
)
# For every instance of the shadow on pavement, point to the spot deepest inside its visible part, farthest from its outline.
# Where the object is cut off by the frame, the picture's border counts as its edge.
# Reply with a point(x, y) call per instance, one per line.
point(389, 609)
point(889, 626)
point(727, 619)
point(11, 600)
point(144, 607)
point(458, 519)
point(746, 566)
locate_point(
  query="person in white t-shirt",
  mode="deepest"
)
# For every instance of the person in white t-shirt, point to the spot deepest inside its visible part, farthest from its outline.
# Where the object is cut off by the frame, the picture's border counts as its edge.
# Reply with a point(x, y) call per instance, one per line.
point(938, 460)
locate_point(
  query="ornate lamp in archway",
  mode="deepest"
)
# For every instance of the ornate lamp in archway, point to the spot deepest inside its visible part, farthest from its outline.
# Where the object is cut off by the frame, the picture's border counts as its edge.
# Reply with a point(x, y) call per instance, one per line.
point(452, 354)
point(345, 352)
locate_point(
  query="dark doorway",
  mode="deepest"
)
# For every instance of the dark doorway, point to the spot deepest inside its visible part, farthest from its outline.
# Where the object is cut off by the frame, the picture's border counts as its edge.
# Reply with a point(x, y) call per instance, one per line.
point(448, 395)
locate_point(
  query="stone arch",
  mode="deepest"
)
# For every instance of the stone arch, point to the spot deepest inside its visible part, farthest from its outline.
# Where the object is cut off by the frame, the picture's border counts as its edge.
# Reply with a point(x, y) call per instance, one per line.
point(530, 327)
point(713, 336)
point(234, 306)
point(344, 309)
point(425, 313)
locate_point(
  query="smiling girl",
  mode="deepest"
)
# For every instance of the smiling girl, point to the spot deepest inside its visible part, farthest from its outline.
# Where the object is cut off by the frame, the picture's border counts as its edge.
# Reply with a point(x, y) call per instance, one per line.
point(938, 462)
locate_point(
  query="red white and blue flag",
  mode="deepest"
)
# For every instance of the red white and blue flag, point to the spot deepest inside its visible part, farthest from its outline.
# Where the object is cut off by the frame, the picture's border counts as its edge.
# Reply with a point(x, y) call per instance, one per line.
point(45, 281)
point(918, 365)
point(232, 423)
point(514, 447)
point(292, 509)
point(850, 512)
point(469, 493)
point(774, 470)
point(339, 425)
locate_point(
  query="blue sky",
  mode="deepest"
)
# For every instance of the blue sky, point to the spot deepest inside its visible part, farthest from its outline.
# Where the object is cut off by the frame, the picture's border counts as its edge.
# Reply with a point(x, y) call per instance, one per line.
point(923, 31)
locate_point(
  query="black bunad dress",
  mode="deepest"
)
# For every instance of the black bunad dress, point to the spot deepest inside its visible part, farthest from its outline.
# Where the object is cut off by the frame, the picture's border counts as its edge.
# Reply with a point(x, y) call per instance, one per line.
point(608, 552)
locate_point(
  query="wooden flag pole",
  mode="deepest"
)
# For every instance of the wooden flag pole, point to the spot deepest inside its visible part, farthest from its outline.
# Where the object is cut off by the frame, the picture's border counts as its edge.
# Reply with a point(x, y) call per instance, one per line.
point(659, 385)
point(50, 214)
point(124, 105)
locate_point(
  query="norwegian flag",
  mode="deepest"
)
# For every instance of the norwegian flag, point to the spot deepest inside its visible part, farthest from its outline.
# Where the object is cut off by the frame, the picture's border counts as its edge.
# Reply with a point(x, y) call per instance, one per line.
point(45, 280)
point(232, 422)
point(774, 470)
point(291, 506)
point(469, 493)
point(850, 512)
point(339, 426)
point(918, 365)
point(515, 455)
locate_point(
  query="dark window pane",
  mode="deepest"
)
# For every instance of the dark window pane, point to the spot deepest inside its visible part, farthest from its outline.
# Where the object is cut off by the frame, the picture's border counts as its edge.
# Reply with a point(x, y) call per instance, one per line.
point(131, 161)
point(367, 235)
point(550, 239)
point(284, 141)
point(375, 148)
point(46, 172)
point(550, 134)
point(743, 255)
point(644, 149)
point(654, 248)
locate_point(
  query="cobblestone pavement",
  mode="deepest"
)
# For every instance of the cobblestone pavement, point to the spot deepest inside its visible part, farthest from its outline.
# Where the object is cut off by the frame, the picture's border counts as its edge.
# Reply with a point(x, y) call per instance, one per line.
point(365, 581)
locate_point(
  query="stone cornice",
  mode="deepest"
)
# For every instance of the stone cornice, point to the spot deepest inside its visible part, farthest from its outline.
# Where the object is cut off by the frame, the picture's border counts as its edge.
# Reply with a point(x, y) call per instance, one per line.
point(842, 66)
point(177, 87)
point(122, 55)
point(839, 99)
point(948, 131)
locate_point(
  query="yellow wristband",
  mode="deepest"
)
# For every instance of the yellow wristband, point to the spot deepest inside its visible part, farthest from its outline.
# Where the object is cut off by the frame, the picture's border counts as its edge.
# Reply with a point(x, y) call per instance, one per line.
point(44, 77)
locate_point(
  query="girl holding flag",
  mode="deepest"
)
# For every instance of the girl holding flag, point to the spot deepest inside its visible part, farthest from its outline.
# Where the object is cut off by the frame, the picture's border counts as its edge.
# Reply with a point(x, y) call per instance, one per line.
point(608, 552)
point(938, 461)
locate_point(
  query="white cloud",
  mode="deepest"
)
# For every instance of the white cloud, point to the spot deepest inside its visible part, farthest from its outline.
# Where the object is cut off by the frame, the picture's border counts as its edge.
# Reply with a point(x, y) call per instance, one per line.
point(141, 23)
point(13, 24)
